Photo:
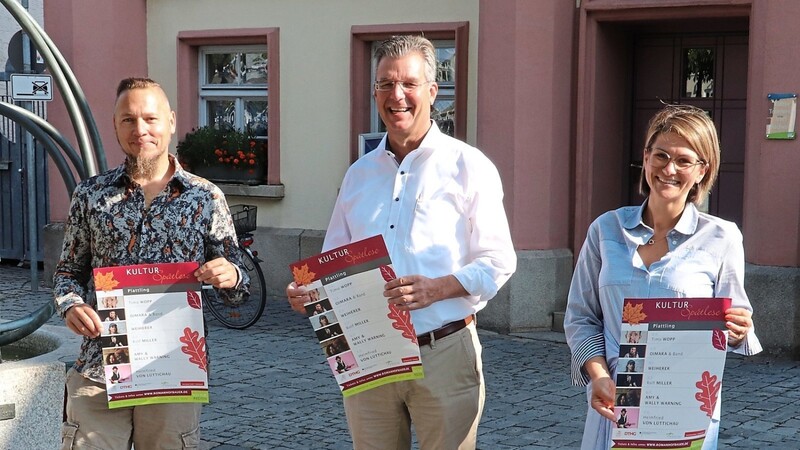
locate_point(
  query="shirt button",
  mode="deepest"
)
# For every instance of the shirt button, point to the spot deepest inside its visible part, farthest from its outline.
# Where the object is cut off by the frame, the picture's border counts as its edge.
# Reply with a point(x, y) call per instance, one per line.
point(402, 172)
point(397, 199)
point(391, 227)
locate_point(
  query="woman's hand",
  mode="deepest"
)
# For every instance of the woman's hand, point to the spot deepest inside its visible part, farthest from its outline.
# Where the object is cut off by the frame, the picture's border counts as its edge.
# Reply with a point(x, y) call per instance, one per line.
point(739, 322)
point(603, 387)
point(603, 390)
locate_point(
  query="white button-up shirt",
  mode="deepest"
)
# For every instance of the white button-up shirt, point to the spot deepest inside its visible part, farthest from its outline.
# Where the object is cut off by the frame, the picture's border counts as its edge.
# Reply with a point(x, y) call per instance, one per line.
point(440, 212)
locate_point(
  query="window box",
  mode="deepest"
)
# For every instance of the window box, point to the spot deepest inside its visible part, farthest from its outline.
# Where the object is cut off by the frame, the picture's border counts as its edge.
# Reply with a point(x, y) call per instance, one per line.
point(224, 155)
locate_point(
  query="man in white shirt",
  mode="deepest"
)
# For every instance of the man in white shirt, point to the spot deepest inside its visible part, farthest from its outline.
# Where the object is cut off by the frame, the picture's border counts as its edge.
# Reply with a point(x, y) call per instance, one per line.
point(438, 203)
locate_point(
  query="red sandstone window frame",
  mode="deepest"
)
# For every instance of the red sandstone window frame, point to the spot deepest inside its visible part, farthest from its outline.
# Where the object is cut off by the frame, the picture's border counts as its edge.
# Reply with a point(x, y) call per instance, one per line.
point(189, 43)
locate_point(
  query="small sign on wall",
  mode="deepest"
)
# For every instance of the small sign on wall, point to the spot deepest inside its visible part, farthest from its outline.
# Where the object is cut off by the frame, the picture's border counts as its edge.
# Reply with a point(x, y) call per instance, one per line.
point(31, 87)
point(782, 115)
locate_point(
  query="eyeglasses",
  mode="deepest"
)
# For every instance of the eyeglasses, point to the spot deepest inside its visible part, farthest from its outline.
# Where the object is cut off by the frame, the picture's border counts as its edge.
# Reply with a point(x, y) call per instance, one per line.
point(660, 159)
point(406, 86)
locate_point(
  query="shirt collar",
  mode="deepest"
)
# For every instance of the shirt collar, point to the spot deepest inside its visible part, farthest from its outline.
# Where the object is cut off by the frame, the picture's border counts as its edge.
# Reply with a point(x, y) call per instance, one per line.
point(428, 142)
point(181, 178)
point(686, 225)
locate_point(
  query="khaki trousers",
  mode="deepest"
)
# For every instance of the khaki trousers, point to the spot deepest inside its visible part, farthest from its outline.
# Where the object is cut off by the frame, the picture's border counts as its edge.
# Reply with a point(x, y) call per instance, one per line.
point(91, 425)
point(445, 406)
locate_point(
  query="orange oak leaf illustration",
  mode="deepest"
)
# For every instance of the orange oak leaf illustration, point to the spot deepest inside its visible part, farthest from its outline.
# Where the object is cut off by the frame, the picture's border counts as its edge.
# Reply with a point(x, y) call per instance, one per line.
point(387, 273)
point(709, 392)
point(193, 299)
point(195, 347)
point(401, 320)
point(633, 314)
point(105, 282)
point(718, 340)
point(302, 275)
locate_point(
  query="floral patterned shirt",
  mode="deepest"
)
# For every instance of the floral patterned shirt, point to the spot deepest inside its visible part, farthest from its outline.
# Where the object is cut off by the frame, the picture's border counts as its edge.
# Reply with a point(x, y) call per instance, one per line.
point(109, 225)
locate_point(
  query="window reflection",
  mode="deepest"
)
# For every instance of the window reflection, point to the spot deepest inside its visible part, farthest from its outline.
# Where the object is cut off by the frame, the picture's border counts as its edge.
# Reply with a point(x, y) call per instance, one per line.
point(254, 68)
point(698, 72)
point(236, 68)
point(446, 65)
point(255, 117)
point(221, 113)
point(221, 68)
point(444, 114)
point(234, 88)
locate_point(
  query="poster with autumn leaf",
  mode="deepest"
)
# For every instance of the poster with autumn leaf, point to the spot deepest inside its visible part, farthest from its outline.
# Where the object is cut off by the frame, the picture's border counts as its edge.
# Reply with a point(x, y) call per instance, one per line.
point(158, 319)
point(669, 371)
point(365, 341)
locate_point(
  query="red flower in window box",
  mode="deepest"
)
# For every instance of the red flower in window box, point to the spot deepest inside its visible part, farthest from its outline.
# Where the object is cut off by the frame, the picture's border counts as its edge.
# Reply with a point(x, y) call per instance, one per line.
point(224, 155)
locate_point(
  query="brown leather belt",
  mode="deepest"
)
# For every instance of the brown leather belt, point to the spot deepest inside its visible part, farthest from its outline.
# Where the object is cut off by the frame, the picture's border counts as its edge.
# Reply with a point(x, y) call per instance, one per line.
point(447, 330)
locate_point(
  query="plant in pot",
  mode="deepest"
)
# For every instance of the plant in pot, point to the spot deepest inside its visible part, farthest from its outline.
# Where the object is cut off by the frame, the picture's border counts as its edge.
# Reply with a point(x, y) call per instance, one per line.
point(224, 155)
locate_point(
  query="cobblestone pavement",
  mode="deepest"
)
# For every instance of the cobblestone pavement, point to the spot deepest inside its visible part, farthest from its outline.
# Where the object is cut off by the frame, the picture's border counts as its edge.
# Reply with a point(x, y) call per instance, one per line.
point(270, 387)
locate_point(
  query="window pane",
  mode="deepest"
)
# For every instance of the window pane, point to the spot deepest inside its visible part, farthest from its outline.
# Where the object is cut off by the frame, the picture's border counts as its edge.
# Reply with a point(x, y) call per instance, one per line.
point(255, 68)
point(255, 116)
point(444, 113)
point(221, 113)
point(698, 72)
point(446, 64)
point(220, 68)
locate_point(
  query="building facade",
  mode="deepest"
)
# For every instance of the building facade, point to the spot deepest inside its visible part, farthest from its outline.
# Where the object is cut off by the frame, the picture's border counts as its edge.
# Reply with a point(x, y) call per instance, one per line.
point(557, 93)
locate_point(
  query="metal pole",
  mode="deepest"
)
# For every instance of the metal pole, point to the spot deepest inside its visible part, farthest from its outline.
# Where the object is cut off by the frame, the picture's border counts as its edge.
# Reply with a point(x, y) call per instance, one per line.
point(30, 173)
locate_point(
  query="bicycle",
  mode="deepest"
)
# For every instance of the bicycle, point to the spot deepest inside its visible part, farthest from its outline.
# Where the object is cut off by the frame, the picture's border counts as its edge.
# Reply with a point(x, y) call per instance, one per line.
point(243, 312)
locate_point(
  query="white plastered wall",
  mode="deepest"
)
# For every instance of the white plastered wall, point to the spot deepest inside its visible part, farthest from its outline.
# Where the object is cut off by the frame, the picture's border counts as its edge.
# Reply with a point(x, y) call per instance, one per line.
point(315, 37)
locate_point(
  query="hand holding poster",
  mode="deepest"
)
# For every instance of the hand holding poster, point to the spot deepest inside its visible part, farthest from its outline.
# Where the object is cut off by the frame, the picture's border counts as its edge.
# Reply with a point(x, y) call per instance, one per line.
point(672, 355)
point(153, 340)
point(366, 341)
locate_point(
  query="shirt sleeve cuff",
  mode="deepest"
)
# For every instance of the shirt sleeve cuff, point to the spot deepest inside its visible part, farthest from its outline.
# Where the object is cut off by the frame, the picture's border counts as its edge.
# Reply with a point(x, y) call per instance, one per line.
point(588, 349)
point(66, 302)
point(749, 346)
point(239, 277)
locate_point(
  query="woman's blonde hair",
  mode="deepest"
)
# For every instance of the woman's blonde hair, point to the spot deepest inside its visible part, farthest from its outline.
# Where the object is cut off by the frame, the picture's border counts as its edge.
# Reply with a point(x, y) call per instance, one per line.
point(694, 125)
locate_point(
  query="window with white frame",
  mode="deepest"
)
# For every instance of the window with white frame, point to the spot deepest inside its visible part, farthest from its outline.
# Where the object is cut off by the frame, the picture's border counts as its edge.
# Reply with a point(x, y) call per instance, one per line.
point(233, 88)
point(444, 107)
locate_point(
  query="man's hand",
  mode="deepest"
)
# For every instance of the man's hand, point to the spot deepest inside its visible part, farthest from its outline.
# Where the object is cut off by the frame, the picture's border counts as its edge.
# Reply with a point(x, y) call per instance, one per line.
point(219, 273)
point(417, 291)
point(297, 297)
point(82, 319)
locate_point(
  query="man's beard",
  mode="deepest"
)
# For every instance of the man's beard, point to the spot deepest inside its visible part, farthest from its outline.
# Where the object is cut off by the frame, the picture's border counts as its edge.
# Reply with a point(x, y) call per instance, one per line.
point(139, 167)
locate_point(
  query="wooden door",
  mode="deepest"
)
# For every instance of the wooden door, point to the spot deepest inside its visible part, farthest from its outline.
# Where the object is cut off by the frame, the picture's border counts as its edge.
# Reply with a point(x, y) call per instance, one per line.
point(707, 71)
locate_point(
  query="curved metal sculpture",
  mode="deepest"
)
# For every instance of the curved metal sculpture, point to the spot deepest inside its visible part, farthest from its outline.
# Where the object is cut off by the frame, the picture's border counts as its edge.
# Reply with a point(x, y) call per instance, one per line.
point(91, 149)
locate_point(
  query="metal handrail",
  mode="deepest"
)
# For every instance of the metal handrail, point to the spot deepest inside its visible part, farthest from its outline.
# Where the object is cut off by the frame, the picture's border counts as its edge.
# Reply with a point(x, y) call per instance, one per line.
point(86, 133)
point(17, 329)
point(61, 77)
point(42, 136)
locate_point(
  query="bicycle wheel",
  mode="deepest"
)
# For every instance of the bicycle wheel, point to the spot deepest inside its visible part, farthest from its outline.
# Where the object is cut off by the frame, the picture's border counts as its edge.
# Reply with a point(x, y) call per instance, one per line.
point(243, 312)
